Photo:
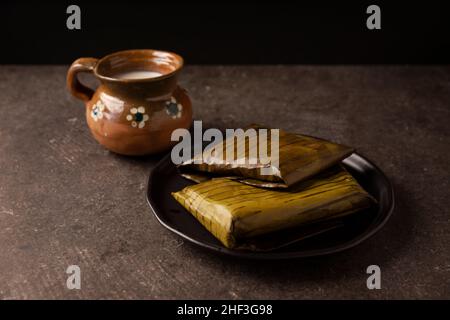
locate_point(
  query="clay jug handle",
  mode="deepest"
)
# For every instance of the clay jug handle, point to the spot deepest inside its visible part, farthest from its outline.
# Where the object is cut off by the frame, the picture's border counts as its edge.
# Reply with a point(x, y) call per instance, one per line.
point(75, 87)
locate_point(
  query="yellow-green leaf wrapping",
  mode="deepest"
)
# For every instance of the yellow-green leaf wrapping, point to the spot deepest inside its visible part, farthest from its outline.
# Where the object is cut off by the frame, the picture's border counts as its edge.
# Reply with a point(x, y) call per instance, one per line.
point(300, 157)
point(233, 211)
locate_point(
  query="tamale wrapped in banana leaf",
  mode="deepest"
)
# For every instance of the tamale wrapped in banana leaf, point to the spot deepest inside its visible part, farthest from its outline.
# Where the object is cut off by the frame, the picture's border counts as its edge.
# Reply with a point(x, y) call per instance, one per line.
point(235, 213)
point(299, 157)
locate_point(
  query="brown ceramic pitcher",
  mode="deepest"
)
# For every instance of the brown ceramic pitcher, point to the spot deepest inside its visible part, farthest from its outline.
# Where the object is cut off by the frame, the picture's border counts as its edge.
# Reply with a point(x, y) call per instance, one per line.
point(138, 103)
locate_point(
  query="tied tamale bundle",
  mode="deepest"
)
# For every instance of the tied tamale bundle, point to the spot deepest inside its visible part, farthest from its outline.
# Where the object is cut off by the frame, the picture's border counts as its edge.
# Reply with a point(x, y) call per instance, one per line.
point(299, 157)
point(237, 213)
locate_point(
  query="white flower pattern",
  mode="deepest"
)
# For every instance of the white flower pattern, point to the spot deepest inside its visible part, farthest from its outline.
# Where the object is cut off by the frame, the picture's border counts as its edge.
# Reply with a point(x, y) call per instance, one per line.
point(97, 110)
point(137, 116)
point(173, 108)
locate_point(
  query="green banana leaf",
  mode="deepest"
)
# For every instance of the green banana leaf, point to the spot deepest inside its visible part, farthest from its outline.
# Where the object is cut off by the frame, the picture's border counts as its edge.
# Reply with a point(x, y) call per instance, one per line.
point(237, 213)
point(300, 157)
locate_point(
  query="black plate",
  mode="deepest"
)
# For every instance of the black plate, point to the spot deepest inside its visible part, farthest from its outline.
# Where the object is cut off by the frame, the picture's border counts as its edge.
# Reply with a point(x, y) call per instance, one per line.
point(165, 179)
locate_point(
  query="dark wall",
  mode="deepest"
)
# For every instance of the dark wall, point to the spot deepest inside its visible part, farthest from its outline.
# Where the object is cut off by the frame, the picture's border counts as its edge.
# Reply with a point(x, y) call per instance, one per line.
point(229, 32)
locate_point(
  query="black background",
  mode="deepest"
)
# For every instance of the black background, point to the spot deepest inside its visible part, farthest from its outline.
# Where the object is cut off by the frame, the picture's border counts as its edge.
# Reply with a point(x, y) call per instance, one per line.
point(167, 309)
point(244, 32)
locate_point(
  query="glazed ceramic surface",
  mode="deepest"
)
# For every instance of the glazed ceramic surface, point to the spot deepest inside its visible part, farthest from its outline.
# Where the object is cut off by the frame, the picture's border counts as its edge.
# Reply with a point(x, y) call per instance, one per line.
point(356, 228)
point(138, 103)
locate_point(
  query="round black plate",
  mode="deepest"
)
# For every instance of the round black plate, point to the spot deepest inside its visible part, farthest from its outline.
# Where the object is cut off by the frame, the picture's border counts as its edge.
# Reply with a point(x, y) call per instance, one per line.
point(165, 179)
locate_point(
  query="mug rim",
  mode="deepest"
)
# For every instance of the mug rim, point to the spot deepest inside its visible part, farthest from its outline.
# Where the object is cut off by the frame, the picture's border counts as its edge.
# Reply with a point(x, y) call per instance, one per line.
point(149, 51)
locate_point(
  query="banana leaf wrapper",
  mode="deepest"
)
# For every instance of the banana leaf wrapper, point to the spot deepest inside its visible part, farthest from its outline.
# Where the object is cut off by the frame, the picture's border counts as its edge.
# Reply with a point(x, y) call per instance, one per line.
point(239, 215)
point(300, 157)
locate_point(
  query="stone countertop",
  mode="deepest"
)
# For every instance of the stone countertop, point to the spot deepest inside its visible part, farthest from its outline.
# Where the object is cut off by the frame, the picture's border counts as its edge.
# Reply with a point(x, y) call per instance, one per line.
point(64, 200)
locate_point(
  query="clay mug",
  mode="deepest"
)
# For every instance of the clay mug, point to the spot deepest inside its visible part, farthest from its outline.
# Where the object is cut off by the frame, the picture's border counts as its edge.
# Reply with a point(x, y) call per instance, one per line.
point(138, 102)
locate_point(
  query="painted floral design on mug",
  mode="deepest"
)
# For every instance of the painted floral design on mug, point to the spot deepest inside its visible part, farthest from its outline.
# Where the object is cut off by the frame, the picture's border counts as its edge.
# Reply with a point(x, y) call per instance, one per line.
point(173, 108)
point(97, 110)
point(137, 116)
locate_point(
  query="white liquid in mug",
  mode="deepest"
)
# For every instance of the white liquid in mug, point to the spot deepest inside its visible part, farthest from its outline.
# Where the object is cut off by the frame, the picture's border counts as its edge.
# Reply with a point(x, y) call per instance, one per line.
point(137, 74)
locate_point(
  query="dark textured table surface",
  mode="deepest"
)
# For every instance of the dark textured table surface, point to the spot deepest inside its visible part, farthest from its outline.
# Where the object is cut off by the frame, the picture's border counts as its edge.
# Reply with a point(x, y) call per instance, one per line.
point(65, 200)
